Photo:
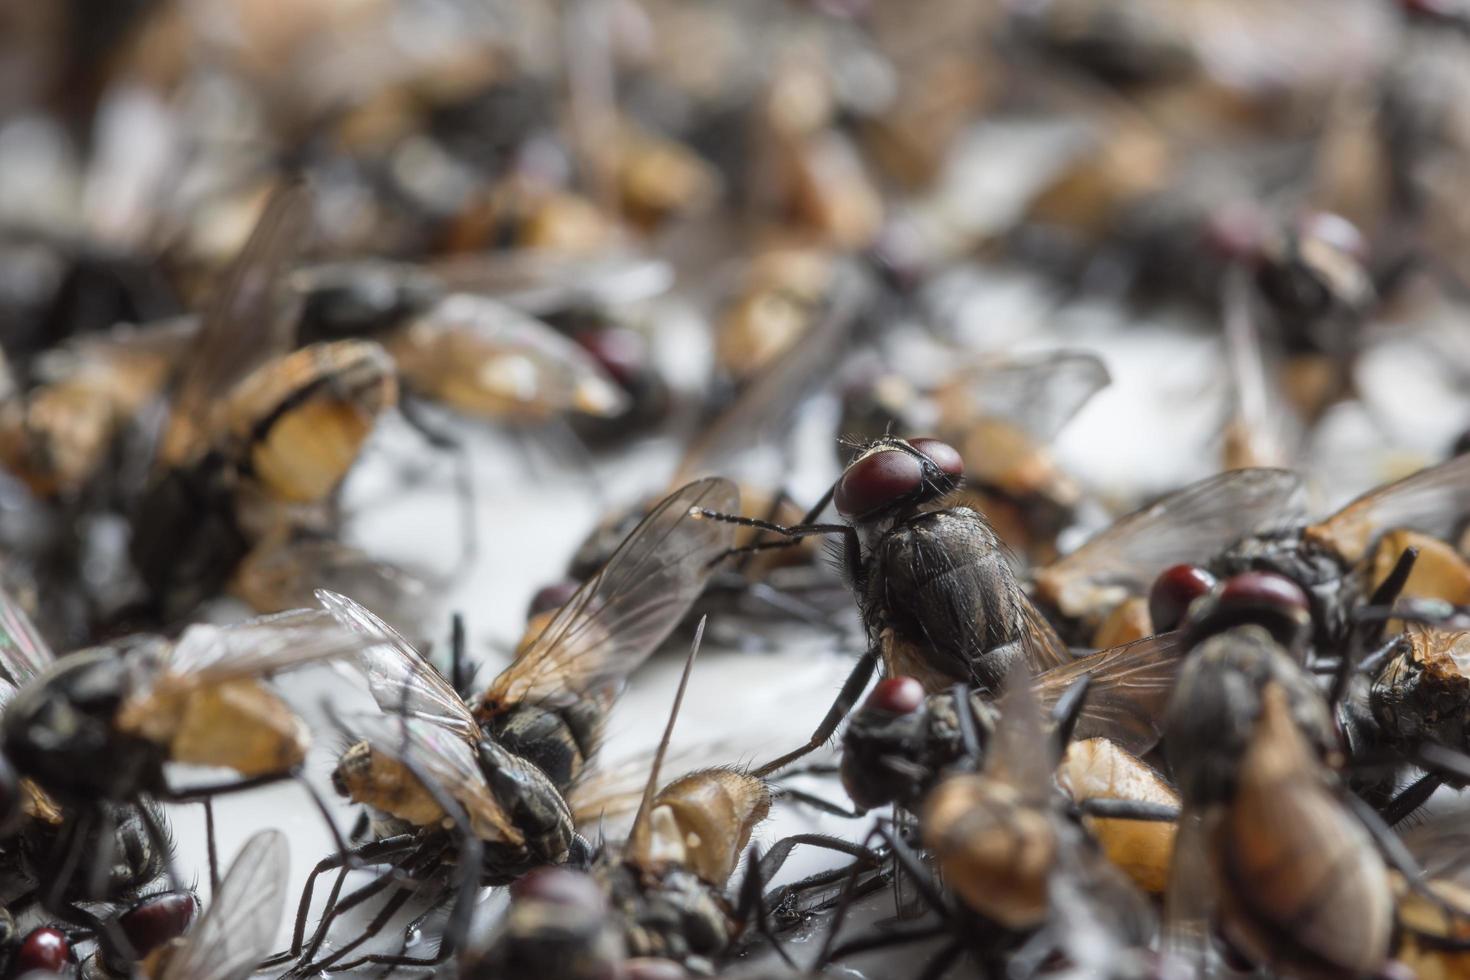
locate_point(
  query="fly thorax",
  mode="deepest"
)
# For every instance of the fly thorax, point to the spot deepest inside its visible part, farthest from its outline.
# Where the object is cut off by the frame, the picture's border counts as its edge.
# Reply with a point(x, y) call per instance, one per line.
point(558, 741)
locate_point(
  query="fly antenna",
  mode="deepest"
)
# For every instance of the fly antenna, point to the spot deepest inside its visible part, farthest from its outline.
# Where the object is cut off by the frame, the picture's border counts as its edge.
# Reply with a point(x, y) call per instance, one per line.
point(638, 835)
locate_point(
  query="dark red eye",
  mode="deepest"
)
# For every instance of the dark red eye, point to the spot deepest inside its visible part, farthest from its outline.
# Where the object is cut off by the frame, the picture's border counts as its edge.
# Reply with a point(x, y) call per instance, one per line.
point(559, 886)
point(942, 455)
point(44, 951)
point(157, 920)
point(1263, 590)
point(876, 480)
point(896, 696)
point(552, 596)
point(1336, 231)
point(1173, 591)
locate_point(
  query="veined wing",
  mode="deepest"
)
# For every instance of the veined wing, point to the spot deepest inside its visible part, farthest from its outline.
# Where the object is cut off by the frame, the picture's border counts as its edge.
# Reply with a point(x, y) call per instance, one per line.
point(401, 680)
point(446, 759)
point(260, 646)
point(1129, 691)
point(1434, 501)
point(620, 615)
point(1039, 393)
point(1190, 525)
point(239, 927)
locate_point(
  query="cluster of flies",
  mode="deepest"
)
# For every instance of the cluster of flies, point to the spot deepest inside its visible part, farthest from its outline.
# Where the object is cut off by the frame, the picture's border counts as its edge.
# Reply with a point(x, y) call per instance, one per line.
point(1191, 746)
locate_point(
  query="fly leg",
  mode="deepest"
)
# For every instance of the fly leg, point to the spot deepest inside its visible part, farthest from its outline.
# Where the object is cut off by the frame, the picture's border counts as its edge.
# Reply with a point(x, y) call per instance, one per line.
point(1110, 809)
point(66, 859)
point(752, 908)
point(345, 860)
point(1364, 633)
point(1068, 709)
point(775, 859)
point(206, 793)
point(852, 552)
point(817, 803)
point(856, 682)
point(1411, 798)
point(911, 864)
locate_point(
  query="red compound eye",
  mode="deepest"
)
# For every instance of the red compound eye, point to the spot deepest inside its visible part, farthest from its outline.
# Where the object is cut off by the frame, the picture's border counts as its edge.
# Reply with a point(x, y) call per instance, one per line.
point(1173, 591)
point(559, 886)
point(1264, 590)
point(876, 480)
point(880, 478)
point(157, 920)
point(942, 455)
point(896, 696)
point(43, 951)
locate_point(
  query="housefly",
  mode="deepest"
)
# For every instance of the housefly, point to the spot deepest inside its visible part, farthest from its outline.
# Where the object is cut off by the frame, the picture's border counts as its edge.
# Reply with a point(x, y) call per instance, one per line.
point(255, 431)
point(900, 741)
point(95, 731)
point(1189, 525)
point(512, 757)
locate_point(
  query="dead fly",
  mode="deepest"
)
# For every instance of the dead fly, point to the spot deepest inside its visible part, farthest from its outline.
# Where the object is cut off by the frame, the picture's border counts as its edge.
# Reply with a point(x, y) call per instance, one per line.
point(557, 925)
point(1270, 846)
point(1028, 879)
point(901, 740)
point(95, 731)
point(1002, 414)
point(937, 595)
point(668, 884)
point(461, 335)
point(229, 940)
point(61, 434)
point(255, 436)
point(1189, 525)
point(511, 763)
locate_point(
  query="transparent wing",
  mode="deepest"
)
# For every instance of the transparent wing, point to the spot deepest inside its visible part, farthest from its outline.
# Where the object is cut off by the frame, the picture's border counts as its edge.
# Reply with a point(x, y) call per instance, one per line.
point(241, 328)
point(445, 758)
point(1434, 501)
point(23, 654)
point(239, 927)
point(1192, 524)
point(260, 646)
point(545, 282)
point(401, 680)
point(1129, 691)
point(620, 615)
point(1039, 393)
point(614, 790)
point(1019, 751)
point(1189, 899)
point(1044, 649)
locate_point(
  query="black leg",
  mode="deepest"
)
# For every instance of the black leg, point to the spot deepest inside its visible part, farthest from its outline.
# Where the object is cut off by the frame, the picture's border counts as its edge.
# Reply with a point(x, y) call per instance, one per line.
point(464, 478)
point(210, 843)
point(400, 960)
point(750, 907)
point(856, 682)
point(969, 729)
point(458, 669)
point(197, 794)
point(852, 547)
point(1363, 633)
point(1411, 798)
point(390, 908)
point(1067, 710)
point(1128, 810)
point(817, 803)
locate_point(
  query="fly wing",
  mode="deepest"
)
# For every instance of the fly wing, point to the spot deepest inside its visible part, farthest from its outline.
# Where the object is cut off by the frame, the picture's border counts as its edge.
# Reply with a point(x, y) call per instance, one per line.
point(1129, 690)
point(1039, 393)
point(242, 328)
point(239, 927)
point(213, 654)
point(1434, 501)
point(620, 615)
point(1044, 649)
point(23, 653)
point(445, 758)
point(1192, 524)
point(401, 680)
point(1189, 898)
point(1019, 748)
